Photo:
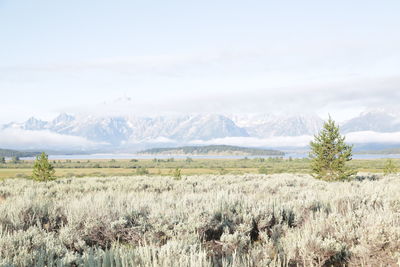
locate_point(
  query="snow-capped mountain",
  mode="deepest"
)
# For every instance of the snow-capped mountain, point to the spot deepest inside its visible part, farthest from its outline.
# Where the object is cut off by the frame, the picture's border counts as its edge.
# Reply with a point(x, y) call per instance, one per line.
point(267, 125)
point(130, 129)
point(129, 132)
point(183, 128)
point(374, 120)
point(34, 124)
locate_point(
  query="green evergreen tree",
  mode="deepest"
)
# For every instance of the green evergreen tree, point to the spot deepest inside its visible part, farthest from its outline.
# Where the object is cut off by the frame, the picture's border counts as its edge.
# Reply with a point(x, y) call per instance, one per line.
point(389, 167)
point(141, 171)
point(329, 154)
point(263, 170)
point(177, 174)
point(42, 169)
point(2, 160)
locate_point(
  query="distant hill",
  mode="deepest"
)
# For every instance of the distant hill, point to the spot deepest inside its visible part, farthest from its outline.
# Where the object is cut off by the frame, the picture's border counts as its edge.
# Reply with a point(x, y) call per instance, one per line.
point(386, 151)
point(214, 150)
point(15, 153)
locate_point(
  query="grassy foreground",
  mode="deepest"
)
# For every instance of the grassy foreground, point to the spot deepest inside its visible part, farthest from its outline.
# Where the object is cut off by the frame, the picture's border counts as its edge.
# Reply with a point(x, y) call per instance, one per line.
point(206, 220)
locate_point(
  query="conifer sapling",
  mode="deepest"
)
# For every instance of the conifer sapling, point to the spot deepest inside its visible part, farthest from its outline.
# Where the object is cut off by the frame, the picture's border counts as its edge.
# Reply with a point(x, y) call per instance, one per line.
point(42, 169)
point(329, 154)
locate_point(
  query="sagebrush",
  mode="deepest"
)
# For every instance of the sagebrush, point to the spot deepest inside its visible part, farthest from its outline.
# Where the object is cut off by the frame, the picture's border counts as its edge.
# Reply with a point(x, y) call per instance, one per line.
point(208, 220)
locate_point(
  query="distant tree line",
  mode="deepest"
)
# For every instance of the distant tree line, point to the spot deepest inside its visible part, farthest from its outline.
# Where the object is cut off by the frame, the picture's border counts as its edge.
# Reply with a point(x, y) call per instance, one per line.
point(214, 149)
point(14, 153)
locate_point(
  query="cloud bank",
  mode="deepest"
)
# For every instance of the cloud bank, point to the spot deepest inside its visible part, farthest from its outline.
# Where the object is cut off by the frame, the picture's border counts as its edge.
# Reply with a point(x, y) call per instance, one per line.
point(373, 137)
point(362, 137)
point(30, 140)
point(26, 139)
point(281, 141)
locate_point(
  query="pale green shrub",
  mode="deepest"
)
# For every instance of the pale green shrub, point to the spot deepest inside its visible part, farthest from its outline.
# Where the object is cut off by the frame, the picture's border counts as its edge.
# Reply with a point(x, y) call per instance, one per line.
point(230, 220)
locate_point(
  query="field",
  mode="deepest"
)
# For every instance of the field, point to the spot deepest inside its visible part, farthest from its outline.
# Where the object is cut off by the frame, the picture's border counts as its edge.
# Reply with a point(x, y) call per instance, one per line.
point(83, 168)
point(200, 220)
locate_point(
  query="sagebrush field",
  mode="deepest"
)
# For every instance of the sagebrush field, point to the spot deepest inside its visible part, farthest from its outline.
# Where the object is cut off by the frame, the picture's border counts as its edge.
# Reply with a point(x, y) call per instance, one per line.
point(205, 220)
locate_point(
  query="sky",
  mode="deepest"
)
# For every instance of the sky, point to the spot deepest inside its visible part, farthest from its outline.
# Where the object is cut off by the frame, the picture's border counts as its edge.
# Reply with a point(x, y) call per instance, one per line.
point(324, 57)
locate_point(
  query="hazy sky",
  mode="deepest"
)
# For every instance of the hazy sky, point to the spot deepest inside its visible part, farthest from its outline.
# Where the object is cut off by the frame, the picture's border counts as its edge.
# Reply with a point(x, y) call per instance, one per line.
point(336, 57)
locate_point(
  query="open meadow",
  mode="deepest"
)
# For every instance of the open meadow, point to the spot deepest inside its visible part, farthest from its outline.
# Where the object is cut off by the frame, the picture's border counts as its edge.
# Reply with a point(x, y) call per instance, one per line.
point(188, 166)
point(200, 220)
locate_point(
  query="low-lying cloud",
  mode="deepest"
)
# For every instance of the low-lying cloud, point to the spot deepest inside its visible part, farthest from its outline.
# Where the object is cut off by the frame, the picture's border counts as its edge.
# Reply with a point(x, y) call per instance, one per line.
point(373, 137)
point(279, 141)
point(362, 137)
point(27, 139)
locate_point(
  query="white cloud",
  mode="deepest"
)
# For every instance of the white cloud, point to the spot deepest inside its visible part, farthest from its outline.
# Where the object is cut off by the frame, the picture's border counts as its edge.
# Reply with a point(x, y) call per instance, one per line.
point(279, 141)
point(302, 141)
point(26, 139)
point(160, 140)
point(373, 137)
point(240, 80)
point(342, 99)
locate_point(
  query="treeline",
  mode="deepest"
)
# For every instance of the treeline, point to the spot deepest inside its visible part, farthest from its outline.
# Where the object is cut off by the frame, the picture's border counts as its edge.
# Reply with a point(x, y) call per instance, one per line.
point(214, 149)
point(15, 153)
point(388, 151)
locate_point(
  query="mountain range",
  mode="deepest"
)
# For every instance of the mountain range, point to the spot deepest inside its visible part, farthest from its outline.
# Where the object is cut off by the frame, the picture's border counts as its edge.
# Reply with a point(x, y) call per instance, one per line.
point(132, 133)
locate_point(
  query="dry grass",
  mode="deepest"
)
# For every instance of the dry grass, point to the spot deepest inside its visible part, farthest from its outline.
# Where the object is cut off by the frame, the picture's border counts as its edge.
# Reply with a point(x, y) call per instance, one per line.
point(86, 172)
point(206, 220)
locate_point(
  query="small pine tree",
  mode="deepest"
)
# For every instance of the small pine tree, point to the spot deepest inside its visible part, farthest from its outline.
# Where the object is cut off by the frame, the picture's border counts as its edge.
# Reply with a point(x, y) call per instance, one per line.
point(177, 174)
point(42, 169)
point(389, 167)
point(329, 154)
point(262, 170)
point(141, 171)
point(2, 160)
